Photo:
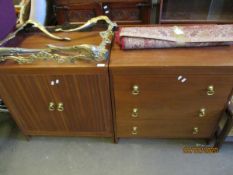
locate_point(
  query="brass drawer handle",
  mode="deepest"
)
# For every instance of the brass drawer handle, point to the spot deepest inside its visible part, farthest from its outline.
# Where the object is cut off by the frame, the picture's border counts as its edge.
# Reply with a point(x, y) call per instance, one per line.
point(135, 113)
point(210, 90)
point(135, 90)
point(135, 130)
point(60, 107)
point(52, 106)
point(195, 130)
point(202, 112)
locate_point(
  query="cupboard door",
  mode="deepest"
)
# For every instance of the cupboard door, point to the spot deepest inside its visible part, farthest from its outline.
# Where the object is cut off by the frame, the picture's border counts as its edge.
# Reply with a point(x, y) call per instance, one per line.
point(59, 104)
point(87, 104)
point(28, 98)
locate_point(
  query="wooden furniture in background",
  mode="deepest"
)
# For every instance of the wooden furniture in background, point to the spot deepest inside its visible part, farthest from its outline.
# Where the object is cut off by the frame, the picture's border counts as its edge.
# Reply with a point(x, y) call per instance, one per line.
point(170, 93)
point(196, 11)
point(46, 98)
point(122, 12)
point(227, 125)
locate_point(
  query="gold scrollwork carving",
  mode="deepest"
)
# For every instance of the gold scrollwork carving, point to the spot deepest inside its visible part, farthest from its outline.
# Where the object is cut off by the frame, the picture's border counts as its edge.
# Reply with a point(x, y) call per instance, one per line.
point(61, 54)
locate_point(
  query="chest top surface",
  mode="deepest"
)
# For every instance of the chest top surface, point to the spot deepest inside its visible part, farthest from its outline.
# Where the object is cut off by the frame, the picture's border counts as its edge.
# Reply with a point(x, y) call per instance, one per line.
point(206, 57)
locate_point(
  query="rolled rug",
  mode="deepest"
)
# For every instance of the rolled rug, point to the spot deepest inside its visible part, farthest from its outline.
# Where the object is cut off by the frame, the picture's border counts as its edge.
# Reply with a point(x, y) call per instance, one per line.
point(7, 17)
point(174, 36)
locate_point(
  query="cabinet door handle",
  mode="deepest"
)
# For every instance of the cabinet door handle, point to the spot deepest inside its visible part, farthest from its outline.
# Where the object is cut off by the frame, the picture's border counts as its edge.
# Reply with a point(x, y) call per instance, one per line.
point(202, 112)
point(135, 90)
point(210, 90)
point(52, 106)
point(134, 130)
point(60, 107)
point(143, 5)
point(59, 7)
point(135, 113)
point(195, 130)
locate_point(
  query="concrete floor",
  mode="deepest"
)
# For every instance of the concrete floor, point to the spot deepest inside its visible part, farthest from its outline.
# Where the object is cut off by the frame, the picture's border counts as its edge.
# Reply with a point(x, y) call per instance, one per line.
point(98, 156)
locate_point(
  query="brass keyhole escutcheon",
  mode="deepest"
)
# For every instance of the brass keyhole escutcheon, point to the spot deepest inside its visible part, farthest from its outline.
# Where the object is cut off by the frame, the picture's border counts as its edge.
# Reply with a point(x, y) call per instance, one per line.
point(135, 90)
point(52, 106)
point(202, 112)
point(135, 130)
point(195, 130)
point(60, 107)
point(135, 113)
point(210, 90)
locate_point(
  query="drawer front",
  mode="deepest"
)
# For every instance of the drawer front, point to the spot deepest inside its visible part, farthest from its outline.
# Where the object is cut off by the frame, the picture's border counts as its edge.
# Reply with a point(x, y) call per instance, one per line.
point(140, 112)
point(166, 129)
point(157, 103)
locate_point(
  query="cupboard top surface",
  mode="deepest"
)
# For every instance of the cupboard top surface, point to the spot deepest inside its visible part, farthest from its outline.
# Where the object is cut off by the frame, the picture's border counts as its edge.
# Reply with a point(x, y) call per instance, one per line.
point(209, 57)
point(39, 41)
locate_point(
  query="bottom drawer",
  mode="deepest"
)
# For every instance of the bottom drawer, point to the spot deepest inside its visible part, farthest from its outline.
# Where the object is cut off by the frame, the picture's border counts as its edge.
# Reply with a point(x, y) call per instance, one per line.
point(166, 129)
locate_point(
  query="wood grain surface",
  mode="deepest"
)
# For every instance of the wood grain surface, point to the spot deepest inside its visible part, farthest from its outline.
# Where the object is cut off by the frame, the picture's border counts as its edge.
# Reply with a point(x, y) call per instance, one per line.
point(83, 88)
point(168, 107)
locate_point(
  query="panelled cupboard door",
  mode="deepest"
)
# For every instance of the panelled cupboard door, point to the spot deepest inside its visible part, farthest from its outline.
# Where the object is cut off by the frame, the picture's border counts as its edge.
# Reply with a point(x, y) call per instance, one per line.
point(28, 98)
point(86, 101)
point(59, 104)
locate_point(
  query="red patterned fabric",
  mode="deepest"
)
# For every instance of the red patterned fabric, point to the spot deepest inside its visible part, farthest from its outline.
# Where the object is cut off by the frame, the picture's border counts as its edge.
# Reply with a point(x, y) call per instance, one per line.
point(176, 36)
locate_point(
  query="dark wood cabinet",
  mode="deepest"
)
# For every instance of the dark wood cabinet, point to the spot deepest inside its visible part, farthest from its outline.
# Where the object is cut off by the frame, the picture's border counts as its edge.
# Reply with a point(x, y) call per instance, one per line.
point(76, 13)
point(196, 11)
point(122, 12)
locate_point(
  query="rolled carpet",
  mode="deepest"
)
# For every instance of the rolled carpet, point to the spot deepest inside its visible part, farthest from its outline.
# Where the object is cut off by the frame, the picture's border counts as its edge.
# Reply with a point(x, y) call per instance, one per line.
point(174, 36)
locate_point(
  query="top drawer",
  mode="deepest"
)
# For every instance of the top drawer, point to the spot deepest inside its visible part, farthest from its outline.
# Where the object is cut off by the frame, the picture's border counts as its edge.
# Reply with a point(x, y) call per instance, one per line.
point(169, 87)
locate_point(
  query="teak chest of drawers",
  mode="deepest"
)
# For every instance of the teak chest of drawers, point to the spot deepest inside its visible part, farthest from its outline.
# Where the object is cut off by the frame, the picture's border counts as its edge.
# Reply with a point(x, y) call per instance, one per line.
point(47, 98)
point(170, 93)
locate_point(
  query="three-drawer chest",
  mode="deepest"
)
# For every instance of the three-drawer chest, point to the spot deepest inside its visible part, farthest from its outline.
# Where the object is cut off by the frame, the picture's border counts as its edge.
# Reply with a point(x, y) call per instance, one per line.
point(170, 93)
